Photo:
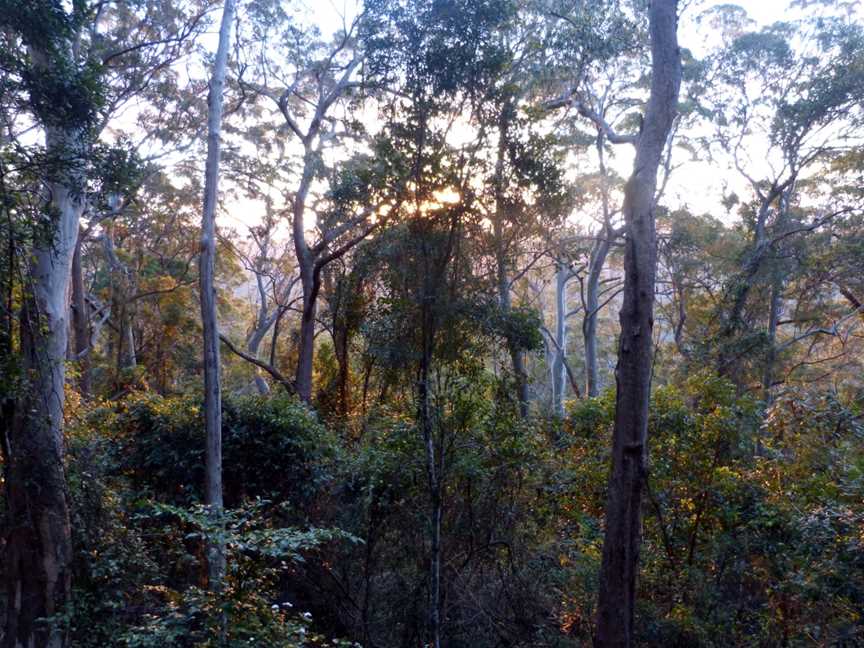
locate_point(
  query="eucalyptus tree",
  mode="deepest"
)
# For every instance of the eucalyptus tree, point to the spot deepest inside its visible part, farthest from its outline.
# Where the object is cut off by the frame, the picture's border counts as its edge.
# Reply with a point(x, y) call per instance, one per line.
point(58, 63)
point(274, 285)
point(136, 48)
point(792, 92)
point(598, 55)
point(206, 270)
point(314, 86)
point(616, 603)
point(41, 42)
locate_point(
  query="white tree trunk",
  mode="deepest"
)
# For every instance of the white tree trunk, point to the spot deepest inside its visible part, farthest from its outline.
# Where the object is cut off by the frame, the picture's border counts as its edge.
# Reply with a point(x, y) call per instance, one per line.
point(212, 386)
point(559, 376)
point(38, 553)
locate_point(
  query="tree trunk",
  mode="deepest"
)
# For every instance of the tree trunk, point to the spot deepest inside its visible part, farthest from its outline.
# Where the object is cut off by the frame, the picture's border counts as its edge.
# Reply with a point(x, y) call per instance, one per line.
point(559, 379)
point(341, 342)
point(599, 252)
point(212, 386)
point(262, 325)
point(306, 351)
point(516, 356)
point(80, 323)
point(771, 335)
point(592, 308)
point(38, 549)
point(728, 361)
point(620, 559)
point(433, 474)
point(121, 291)
point(308, 281)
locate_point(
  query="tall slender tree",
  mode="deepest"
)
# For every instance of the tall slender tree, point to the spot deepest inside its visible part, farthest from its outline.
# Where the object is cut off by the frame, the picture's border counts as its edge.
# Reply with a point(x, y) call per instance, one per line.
point(617, 593)
point(207, 268)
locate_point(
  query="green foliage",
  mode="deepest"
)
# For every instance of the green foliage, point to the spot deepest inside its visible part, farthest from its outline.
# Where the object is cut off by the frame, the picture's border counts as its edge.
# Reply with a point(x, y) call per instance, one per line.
point(748, 528)
point(140, 561)
point(63, 92)
point(271, 447)
point(520, 327)
point(244, 610)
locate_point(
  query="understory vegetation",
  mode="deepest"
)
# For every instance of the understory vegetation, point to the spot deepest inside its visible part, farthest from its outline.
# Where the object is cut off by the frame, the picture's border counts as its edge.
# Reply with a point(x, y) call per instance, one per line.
point(752, 527)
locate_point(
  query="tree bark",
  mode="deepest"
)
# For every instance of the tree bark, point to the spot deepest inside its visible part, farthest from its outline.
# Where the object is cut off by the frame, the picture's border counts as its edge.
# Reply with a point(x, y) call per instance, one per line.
point(620, 558)
point(80, 323)
point(596, 263)
point(263, 321)
point(38, 551)
point(592, 308)
point(121, 292)
point(306, 265)
point(559, 379)
point(771, 335)
point(212, 384)
point(433, 474)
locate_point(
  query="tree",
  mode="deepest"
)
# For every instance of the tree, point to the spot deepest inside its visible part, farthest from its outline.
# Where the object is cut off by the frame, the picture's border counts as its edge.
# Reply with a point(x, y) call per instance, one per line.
point(617, 593)
point(38, 553)
point(809, 81)
point(212, 383)
point(307, 81)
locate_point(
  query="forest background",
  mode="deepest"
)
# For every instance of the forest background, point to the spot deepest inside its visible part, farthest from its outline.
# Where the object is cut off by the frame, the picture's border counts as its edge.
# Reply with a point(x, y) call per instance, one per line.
point(431, 322)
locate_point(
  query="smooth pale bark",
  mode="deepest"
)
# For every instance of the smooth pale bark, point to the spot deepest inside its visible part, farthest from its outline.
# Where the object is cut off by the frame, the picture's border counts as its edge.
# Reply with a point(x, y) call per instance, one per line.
point(80, 323)
point(596, 263)
point(559, 378)
point(212, 385)
point(38, 553)
point(620, 559)
point(592, 310)
point(263, 321)
point(309, 282)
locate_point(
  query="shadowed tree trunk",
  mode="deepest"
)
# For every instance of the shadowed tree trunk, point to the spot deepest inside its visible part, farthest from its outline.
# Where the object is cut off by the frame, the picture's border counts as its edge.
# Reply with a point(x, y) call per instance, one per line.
point(38, 553)
point(617, 588)
point(592, 309)
point(212, 386)
point(121, 298)
point(771, 335)
point(599, 252)
point(502, 262)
